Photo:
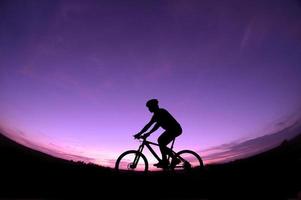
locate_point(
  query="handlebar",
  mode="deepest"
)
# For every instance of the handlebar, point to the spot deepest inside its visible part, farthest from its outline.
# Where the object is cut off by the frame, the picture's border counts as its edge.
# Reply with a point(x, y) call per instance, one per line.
point(143, 137)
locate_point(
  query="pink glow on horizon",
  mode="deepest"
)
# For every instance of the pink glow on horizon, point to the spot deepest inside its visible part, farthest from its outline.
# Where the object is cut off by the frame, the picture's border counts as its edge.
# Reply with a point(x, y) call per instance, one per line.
point(213, 155)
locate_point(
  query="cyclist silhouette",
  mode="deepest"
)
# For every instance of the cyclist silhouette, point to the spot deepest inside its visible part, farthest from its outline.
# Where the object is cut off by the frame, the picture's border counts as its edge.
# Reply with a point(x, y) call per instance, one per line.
point(162, 118)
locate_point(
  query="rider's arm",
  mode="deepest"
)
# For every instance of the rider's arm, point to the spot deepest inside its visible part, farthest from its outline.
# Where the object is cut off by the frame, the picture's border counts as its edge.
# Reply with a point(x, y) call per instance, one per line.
point(146, 127)
point(153, 129)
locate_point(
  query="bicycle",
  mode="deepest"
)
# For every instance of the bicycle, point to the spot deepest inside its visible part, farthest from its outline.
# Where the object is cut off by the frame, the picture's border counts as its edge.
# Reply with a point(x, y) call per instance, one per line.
point(132, 160)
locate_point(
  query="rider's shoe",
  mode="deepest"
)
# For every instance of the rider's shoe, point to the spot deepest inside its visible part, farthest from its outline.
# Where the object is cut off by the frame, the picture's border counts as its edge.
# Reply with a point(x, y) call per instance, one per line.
point(162, 164)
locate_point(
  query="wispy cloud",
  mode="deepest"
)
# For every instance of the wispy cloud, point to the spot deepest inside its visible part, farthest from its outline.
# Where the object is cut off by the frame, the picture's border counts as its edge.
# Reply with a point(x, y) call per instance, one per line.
point(235, 150)
point(49, 148)
point(255, 32)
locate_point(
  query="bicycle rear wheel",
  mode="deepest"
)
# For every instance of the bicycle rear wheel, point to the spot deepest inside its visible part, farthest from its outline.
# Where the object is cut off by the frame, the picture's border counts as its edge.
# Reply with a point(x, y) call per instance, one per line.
point(131, 161)
point(189, 161)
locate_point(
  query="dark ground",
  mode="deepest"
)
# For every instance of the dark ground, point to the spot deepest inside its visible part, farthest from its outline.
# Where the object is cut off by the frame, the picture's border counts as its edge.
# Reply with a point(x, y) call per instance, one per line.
point(25, 173)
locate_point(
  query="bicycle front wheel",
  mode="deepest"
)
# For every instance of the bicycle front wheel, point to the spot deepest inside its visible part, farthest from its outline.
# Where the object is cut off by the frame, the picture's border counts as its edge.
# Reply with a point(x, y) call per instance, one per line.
point(132, 160)
point(190, 160)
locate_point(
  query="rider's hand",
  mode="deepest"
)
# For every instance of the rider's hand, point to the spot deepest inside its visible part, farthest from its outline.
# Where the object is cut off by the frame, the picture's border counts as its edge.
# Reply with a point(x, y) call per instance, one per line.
point(137, 136)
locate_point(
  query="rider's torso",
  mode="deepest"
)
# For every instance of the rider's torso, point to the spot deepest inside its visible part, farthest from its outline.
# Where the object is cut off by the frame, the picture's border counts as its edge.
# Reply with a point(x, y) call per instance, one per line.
point(166, 120)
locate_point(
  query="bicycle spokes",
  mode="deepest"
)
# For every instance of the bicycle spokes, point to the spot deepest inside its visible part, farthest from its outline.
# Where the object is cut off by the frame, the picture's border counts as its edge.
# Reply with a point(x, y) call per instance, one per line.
point(136, 160)
point(189, 160)
point(132, 161)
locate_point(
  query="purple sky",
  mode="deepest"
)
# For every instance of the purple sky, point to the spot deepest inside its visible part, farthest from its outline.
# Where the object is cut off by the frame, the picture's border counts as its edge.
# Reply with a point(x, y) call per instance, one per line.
point(75, 75)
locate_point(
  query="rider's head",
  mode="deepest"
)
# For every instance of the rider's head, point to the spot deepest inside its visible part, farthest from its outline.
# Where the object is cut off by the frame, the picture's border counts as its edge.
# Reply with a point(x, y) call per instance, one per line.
point(152, 105)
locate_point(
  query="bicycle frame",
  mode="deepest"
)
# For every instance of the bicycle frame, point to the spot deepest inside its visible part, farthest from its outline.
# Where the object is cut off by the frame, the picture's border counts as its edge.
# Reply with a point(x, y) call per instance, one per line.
point(148, 145)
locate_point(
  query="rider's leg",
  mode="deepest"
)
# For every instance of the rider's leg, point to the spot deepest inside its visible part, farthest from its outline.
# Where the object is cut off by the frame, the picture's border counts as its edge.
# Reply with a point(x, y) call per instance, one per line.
point(166, 138)
point(163, 141)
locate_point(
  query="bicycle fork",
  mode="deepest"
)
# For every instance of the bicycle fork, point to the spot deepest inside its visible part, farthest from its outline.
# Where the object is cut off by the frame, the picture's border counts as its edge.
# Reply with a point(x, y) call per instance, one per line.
point(137, 157)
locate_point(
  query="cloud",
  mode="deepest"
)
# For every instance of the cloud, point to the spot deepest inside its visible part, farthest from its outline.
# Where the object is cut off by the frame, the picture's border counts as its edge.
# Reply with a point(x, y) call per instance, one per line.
point(255, 32)
point(235, 150)
point(50, 148)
